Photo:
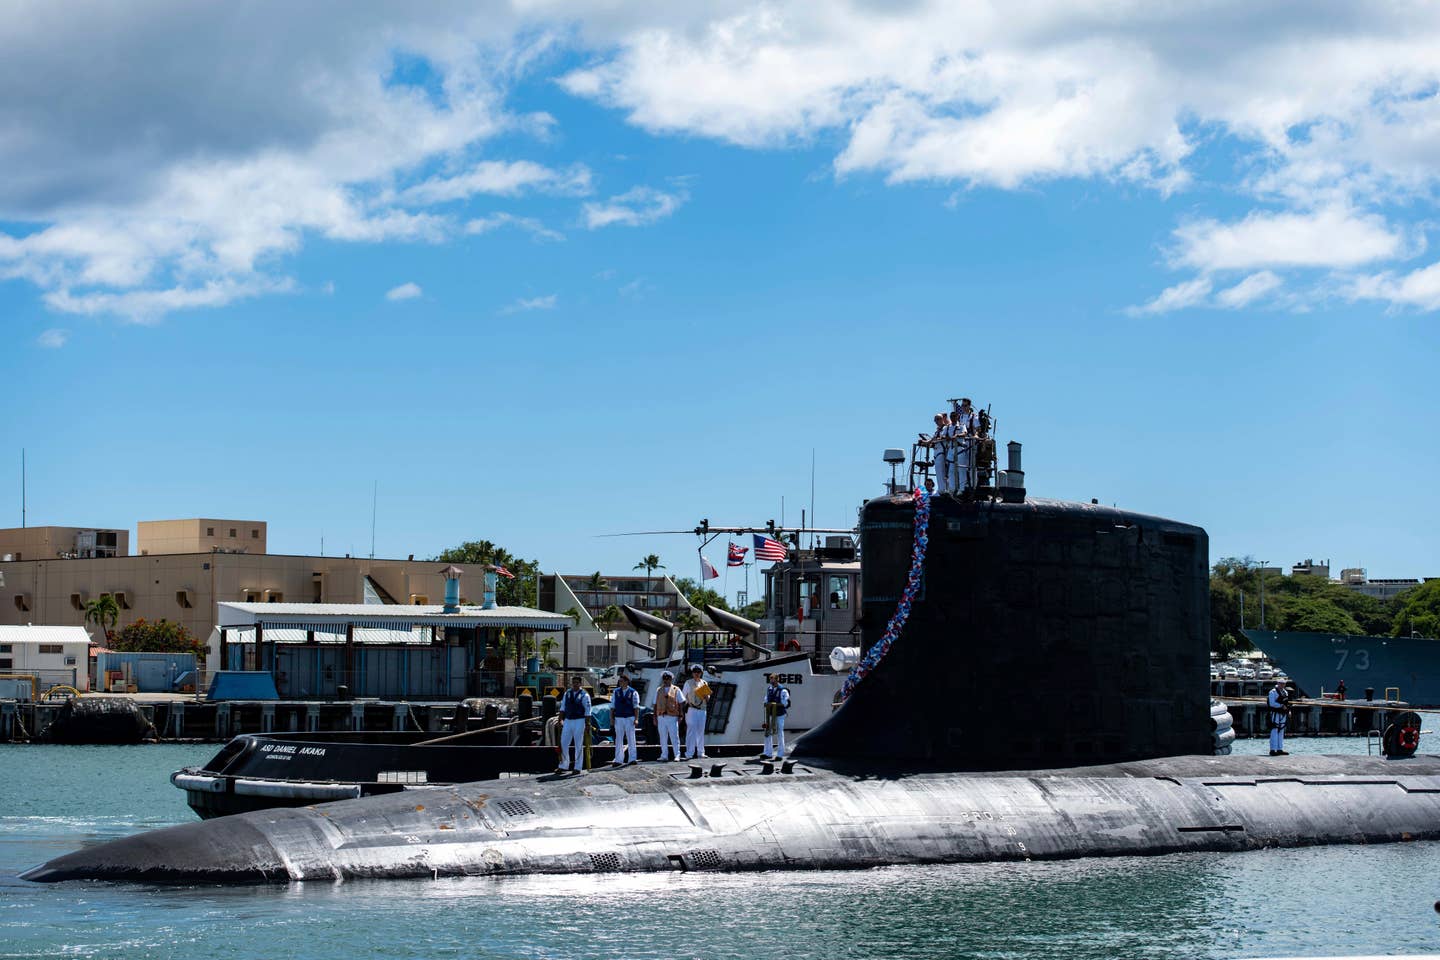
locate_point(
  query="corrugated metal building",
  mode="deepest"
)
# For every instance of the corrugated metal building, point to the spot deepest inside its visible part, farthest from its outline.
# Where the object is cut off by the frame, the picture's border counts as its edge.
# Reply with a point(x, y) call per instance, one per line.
point(52, 655)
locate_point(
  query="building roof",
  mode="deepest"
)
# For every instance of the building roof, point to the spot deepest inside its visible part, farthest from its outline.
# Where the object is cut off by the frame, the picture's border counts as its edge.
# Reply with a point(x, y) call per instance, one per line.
point(12, 633)
point(391, 616)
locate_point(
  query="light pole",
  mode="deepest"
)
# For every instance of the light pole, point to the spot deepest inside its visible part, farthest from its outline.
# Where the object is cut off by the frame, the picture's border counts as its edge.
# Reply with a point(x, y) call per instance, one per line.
point(1262, 594)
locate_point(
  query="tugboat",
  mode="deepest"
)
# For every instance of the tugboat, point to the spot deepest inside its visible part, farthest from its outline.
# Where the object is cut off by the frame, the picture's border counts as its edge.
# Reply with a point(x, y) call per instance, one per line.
point(1033, 685)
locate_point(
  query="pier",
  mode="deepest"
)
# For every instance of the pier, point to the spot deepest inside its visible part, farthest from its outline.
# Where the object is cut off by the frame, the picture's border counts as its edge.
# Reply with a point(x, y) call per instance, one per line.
point(185, 718)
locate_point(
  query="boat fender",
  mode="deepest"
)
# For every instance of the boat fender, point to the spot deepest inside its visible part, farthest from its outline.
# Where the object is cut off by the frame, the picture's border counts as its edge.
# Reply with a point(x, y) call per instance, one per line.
point(1402, 738)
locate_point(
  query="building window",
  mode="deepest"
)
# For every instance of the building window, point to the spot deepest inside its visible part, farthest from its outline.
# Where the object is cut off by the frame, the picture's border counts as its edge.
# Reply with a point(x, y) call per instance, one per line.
point(6, 663)
point(209, 531)
point(232, 531)
point(7, 648)
point(69, 661)
point(254, 534)
point(49, 648)
point(251, 597)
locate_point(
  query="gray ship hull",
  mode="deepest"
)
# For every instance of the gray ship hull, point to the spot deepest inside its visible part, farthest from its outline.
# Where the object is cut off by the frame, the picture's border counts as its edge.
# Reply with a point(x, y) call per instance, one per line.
point(653, 818)
point(1319, 661)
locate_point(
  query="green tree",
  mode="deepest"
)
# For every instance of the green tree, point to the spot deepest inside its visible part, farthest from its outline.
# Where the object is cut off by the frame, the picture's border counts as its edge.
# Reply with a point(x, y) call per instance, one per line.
point(1316, 614)
point(688, 621)
point(1418, 611)
point(104, 612)
point(597, 583)
point(698, 595)
point(157, 636)
point(606, 619)
point(754, 610)
point(547, 646)
point(650, 564)
point(519, 592)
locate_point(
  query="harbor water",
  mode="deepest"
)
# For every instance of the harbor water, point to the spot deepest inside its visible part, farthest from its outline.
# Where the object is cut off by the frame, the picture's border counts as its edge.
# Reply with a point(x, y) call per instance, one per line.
point(1317, 901)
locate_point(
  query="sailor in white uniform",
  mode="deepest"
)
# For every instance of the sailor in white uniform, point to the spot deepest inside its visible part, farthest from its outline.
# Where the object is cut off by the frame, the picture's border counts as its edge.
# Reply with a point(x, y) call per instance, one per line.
point(1278, 700)
point(575, 711)
point(624, 709)
point(777, 704)
point(695, 715)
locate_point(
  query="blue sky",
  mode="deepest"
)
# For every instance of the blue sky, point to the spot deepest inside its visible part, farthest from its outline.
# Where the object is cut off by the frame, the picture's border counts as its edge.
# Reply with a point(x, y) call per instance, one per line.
point(546, 277)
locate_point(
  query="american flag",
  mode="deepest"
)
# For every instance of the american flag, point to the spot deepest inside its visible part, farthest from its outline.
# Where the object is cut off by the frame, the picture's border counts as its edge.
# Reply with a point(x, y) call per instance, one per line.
point(502, 571)
point(736, 557)
point(768, 548)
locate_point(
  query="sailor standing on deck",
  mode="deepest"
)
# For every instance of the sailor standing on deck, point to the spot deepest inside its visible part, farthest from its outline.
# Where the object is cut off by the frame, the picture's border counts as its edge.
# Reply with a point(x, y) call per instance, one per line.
point(575, 708)
point(1278, 701)
point(667, 717)
point(695, 693)
point(625, 705)
point(777, 704)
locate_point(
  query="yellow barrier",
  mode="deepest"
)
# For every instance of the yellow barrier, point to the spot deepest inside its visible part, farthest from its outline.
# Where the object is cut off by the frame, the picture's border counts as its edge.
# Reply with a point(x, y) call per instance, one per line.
point(62, 688)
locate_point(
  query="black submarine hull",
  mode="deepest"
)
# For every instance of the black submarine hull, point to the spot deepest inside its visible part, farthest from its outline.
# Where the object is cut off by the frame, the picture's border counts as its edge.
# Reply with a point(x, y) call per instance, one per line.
point(654, 818)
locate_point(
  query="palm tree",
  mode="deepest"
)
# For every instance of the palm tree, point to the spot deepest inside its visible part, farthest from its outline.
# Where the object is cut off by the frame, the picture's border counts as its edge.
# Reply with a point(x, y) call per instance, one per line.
point(651, 563)
point(688, 621)
point(104, 612)
point(597, 582)
point(606, 619)
point(546, 647)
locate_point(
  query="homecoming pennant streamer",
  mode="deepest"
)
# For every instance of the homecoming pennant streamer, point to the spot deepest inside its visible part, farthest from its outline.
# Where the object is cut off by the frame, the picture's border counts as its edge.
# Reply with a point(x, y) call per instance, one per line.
point(907, 599)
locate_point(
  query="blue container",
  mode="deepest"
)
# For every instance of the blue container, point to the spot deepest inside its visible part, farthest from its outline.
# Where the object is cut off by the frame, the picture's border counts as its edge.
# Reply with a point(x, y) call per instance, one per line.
point(150, 672)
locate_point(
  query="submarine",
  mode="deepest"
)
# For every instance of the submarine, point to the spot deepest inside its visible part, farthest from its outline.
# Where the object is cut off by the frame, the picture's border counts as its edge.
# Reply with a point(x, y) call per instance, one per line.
point(1034, 684)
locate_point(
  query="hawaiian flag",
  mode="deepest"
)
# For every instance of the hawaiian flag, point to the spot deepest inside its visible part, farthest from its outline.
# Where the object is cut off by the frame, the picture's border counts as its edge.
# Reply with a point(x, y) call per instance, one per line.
point(709, 568)
point(768, 548)
point(737, 555)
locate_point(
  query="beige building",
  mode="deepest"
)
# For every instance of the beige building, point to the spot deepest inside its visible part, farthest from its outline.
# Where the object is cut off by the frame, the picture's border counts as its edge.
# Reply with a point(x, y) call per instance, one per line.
point(186, 587)
point(199, 536)
point(49, 543)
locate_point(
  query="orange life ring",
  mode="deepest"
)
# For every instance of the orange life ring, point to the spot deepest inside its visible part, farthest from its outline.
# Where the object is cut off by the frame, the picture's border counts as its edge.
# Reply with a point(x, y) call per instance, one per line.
point(1408, 738)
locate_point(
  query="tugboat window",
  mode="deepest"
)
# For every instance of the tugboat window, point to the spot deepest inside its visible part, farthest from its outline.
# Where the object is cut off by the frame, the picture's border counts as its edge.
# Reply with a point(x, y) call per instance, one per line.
point(839, 593)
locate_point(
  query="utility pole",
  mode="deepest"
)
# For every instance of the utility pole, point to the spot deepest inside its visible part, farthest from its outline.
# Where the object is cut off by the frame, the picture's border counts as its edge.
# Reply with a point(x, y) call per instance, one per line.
point(1262, 594)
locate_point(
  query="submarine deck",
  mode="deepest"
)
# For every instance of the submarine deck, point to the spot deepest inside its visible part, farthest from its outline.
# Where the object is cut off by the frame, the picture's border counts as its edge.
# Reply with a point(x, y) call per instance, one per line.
point(655, 818)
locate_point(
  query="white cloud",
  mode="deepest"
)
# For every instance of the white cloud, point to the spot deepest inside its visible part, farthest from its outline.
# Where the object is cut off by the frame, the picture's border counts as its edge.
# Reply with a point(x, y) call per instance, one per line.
point(406, 291)
point(148, 306)
point(1418, 288)
point(502, 179)
point(54, 338)
point(633, 208)
point(530, 225)
point(1247, 291)
point(1189, 293)
point(1330, 237)
point(533, 303)
point(256, 128)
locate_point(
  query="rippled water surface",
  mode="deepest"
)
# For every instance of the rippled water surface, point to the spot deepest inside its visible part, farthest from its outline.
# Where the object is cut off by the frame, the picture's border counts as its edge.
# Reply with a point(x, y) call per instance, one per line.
point(1324, 901)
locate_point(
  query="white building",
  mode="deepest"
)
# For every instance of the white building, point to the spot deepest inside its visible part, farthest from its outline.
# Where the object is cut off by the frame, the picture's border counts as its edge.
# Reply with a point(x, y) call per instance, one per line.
point(52, 655)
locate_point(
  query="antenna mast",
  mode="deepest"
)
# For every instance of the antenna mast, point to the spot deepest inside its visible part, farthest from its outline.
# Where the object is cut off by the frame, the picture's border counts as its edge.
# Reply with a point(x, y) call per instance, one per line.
point(374, 502)
point(23, 504)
